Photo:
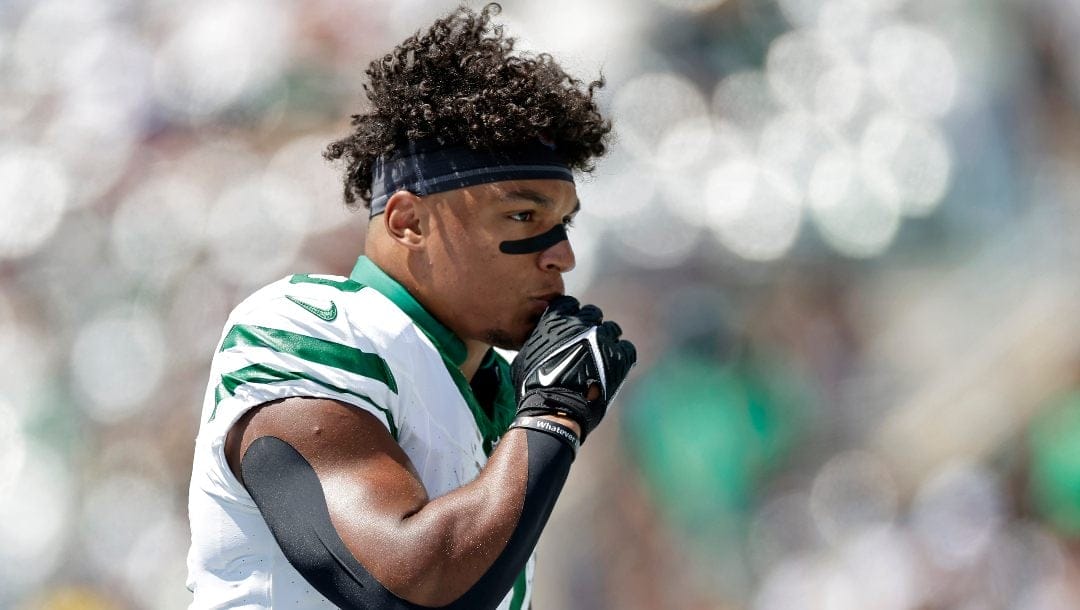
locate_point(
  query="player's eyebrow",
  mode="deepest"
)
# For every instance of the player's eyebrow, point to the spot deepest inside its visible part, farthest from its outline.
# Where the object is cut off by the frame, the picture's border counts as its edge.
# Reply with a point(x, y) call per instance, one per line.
point(536, 197)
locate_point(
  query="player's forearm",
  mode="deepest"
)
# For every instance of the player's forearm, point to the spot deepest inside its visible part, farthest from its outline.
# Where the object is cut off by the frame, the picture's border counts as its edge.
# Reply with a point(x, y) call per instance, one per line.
point(480, 536)
point(447, 546)
point(450, 542)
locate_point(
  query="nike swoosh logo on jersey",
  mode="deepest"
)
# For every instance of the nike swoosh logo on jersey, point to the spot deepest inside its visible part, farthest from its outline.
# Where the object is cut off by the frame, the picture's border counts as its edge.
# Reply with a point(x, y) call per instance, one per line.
point(326, 314)
point(546, 378)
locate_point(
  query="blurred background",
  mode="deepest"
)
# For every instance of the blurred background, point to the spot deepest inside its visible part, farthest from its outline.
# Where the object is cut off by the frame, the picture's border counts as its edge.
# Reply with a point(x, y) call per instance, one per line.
point(842, 233)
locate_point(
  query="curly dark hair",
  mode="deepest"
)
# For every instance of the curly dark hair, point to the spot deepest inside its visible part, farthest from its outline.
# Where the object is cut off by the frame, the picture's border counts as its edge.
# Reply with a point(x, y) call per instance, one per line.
point(461, 83)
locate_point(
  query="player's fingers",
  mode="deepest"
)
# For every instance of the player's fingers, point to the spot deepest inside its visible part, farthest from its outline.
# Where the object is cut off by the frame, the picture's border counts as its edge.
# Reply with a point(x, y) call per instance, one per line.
point(628, 351)
point(609, 330)
point(591, 314)
point(563, 304)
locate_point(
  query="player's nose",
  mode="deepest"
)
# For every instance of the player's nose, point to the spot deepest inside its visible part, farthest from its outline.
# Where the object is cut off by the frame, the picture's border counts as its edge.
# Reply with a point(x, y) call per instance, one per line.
point(558, 257)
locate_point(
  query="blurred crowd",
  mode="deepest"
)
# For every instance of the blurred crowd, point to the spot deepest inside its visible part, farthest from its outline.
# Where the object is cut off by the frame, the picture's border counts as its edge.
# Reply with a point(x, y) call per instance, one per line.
point(842, 234)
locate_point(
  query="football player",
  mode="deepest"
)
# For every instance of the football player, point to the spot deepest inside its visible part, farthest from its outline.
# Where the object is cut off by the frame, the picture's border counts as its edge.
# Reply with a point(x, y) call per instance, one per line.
point(362, 445)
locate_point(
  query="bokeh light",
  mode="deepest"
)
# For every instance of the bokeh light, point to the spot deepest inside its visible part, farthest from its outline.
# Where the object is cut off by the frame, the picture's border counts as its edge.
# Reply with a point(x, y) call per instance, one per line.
point(783, 527)
point(87, 127)
point(33, 195)
point(34, 515)
point(581, 47)
point(754, 210)
point(12, 446)
point(621, 185)
point(245, 41)
point(853, 493)
point(907, 161)
point(914, 69)
point(106, 99)
point(146, 567)
point(807, 582)
point(268, 209)
point(809, 72)
point(118, 513)
point(654, 241)
point(884, 561)
point(648, 105)
point(685, 143)
point(118, 360)
point(37, 58)
point(157, 231)
point(746, 100)
point(687, 160)
point(852, 217)
point(313, 179)
point(25, 356)
point(957, 513)
point(794, 142)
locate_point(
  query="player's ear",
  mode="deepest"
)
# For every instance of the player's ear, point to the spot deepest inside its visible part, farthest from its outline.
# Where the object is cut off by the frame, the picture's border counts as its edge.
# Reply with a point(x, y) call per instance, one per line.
point(404, 219)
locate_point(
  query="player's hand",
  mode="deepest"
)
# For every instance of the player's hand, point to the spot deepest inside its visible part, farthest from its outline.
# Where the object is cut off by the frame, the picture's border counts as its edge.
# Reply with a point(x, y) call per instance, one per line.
point(572, 351)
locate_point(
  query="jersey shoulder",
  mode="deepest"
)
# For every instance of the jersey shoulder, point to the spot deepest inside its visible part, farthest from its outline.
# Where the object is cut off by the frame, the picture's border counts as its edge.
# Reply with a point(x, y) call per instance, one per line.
point(303, 297)
point(304, 335)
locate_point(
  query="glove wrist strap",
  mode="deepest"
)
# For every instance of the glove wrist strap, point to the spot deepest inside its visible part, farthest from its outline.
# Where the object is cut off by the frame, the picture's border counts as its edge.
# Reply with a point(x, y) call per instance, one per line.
point(555, 429)
point(557, 401)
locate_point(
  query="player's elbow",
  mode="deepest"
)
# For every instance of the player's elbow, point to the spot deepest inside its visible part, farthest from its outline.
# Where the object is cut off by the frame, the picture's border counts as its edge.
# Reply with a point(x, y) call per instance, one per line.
point(431, 569)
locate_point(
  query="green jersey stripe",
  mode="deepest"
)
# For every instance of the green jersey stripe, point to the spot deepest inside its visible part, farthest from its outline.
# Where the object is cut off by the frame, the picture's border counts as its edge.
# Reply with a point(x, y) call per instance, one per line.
point(262, 373)
point(519, 591)
point(319, 351)
point(344, 285)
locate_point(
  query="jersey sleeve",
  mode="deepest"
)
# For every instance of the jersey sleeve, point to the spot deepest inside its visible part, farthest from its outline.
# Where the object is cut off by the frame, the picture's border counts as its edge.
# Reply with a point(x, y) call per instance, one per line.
point(286, 345)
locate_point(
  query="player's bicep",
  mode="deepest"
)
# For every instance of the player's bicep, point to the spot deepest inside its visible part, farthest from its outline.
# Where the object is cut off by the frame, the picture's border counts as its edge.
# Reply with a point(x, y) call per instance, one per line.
point(364, 480)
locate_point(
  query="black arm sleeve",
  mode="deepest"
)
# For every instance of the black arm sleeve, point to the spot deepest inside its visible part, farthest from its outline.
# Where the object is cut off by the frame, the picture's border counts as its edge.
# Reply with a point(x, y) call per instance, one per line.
point(291, 500)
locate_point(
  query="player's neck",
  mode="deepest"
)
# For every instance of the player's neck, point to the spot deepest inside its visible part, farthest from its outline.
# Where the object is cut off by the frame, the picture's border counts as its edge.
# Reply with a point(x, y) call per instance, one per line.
point(381, 252)
point(475, 351)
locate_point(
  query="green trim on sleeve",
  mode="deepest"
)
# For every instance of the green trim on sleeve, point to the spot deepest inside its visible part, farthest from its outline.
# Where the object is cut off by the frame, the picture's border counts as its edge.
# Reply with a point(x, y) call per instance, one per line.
point(318, 351)
point(266, 374)
point(520, 585)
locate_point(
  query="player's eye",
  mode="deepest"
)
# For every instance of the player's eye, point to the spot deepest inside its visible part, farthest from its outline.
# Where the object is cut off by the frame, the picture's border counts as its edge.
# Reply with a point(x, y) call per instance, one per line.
point(521, 216)
point(568, 222)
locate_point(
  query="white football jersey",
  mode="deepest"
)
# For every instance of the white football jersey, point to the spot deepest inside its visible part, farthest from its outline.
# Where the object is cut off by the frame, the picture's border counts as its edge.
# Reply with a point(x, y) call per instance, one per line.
point(361, 340)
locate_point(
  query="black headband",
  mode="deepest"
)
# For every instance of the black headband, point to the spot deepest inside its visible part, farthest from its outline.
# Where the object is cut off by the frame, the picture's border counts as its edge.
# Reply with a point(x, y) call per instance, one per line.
point(425, 167)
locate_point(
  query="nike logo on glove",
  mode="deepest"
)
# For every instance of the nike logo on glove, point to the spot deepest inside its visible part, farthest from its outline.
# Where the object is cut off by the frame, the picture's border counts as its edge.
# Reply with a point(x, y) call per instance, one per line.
point(546, 378)
point(326, 314)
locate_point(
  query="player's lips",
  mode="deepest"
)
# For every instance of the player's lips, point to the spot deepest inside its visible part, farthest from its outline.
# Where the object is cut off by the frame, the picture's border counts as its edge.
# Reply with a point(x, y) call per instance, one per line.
point(541, 302)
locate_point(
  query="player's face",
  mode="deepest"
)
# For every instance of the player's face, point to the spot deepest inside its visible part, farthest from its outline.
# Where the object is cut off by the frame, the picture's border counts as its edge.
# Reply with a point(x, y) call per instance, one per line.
point(484, 293)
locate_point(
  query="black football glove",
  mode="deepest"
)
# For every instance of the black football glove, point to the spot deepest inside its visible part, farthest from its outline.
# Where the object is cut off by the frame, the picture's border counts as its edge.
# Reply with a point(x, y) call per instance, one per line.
point(571, 350)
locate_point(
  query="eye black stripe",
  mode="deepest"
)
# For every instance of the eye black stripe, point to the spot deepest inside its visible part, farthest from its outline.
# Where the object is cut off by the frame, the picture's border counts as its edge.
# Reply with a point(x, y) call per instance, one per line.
point(536, 243)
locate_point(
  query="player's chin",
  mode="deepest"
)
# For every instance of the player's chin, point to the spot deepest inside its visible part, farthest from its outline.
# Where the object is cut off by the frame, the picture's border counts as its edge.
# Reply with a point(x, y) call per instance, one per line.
point(512, 338)
point(504, 339)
